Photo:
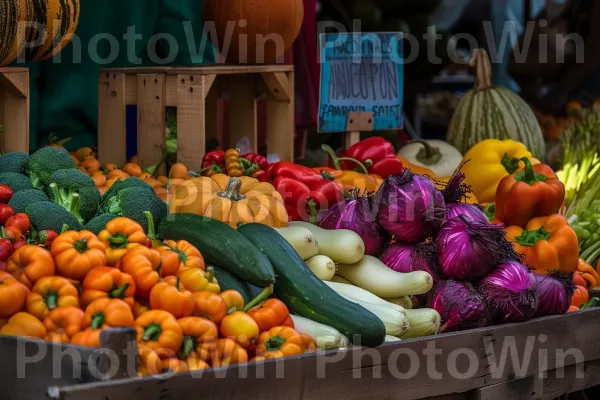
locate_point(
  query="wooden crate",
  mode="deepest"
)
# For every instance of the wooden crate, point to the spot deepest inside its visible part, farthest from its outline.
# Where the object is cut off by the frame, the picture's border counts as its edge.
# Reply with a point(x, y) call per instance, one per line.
point(195, 92)
point(464, 365)
point(14, 109)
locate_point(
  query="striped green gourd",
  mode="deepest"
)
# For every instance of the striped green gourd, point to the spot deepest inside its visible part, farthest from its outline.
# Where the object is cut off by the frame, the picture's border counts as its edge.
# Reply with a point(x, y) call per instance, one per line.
point(493, 112)
point(13, 29)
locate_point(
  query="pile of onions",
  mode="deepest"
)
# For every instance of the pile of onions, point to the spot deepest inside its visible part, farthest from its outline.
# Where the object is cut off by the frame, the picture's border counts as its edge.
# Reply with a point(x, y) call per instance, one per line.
point(402, 257)
point(470, 250)
point(410, 207)
point(357, 214)
point(455, 194)
point(460, 306)
point(510, 291)
point(554, 293)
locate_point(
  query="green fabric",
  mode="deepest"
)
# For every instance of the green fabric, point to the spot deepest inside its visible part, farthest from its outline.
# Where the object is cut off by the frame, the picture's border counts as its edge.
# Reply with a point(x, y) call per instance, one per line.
point(64, 99)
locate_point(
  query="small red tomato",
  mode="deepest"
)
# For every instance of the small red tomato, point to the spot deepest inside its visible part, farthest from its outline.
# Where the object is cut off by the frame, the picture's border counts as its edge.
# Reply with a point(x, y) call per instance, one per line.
point(20, 220)
point(12, 232)
point(19, 243)
point(6, 212)
point(6, 194)
point(6, 249)
point(46, 237)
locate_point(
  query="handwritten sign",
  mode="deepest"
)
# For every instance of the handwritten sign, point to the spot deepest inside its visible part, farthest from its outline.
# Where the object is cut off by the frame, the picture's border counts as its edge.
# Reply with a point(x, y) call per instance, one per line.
point(361, 73)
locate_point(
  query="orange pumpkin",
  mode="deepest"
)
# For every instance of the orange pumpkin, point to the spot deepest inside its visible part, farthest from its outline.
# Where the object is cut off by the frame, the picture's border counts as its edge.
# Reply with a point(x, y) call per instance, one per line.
point(262, 30)
point(231, 200)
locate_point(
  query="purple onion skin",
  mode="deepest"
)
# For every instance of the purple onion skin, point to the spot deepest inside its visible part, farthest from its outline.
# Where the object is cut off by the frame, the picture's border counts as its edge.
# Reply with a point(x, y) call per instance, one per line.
point(357, 215)
point(554, 294)
point(510, 291)
point(471, 211)
point(410, 207)
point(401, 257)
point(460, 306)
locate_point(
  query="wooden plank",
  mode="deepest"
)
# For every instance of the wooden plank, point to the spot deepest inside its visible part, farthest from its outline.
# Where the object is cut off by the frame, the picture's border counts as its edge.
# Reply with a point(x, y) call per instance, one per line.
point(212, 103)
point(242, 110)
point(112, 119)
point(16, 82)
point(151, 119)
point(14, 97)
point(281, 126)
point(278, 85)
point(451, 364)
point(191, 134)
point(218, 69)
point(546, 386)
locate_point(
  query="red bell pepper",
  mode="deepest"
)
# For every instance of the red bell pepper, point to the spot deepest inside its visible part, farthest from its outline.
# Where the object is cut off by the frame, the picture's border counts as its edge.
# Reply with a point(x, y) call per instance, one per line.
point(255, 165)
point(377, 154)
point(302, 189)
point(257, 159)
point(213, 162)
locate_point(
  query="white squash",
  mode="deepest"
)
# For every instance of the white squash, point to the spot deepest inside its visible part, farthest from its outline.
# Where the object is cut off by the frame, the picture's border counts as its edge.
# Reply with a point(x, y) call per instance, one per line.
point(437, 155)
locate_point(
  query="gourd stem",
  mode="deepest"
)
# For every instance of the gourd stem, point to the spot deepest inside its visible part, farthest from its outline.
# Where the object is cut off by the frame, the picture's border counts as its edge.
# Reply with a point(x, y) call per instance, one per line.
point(336, 160)
point(480, 61)
point(119, 292)
point(428, 155)
point(261, 297)
point(232, 190)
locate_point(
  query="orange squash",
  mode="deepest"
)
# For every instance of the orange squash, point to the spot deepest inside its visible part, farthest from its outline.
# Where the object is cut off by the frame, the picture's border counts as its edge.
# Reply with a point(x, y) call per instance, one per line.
point(231, 200)
point(260, 31)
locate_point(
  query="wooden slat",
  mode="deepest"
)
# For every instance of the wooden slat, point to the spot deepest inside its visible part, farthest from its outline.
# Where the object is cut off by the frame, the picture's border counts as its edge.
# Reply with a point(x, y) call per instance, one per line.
point(459, 363)
point(277, 84)
point(16, 83)
point(212, 102)
point(14, 100)
point(191, 135)
point(242, 110)
point(151, 119)
point(219, 69)
point(112, 120)
point(281, 127)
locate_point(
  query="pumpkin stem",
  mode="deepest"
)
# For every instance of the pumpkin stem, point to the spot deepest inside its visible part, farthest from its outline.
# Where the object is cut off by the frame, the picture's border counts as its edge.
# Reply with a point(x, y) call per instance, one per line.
point(428, 155)
point(260, 298)
point(232, 190)
point(97, 321)
point(336, 160)
point(480, 61)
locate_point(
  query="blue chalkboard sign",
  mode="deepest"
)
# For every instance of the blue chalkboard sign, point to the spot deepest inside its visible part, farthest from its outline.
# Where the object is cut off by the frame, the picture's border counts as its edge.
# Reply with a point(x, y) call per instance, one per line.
point(361, 72)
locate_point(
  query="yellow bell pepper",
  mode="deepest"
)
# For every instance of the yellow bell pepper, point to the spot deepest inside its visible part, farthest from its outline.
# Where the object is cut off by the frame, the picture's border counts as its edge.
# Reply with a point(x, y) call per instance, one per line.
point(489, 161)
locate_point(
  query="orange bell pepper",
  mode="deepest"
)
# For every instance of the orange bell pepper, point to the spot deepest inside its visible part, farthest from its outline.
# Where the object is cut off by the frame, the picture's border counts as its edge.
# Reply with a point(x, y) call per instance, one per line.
point(280, 341)
point(196, 363)
point(548, 244)
point(144, 266)
point(233, 299)
point(270, 314)
point(13, 295)
point(25, 325)
point(209, 305)
point(309, 343)
point(63, 323)
point(88, 338)
point(174, 365)
point(588, 273)
point(29, 263)
point(119, 235)
point(241, 328)
point(189, 255)
point(49, 293)
point(107, 282)
point(196, 331)
point(171, 296)
point(351, 180)
point(197, 280)
point(531, 193)
point(416, 169)
point(158, 329)
point(139, 308)
point(108, 313)
point(225, 352)
point(149, 362)
point(580, 296)
point(578, 279)
point(76, 253)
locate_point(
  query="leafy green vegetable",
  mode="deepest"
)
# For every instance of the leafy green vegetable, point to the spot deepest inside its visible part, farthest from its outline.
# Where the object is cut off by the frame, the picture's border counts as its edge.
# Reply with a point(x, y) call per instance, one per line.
point(44, 162)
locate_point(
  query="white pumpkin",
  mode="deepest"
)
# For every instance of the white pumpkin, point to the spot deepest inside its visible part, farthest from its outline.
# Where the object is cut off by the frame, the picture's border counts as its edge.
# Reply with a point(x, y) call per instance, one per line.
point(437, 155)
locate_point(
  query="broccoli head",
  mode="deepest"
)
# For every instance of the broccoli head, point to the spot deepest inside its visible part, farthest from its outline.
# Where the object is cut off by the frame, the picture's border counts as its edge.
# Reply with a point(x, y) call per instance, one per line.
point(133, 202)
point(71, 178)
point(119, 185)
point(17, 182)
point(13, 162)
point(49, 215)
point(22, 199)
point(44, 162)
point(82, 203)
point(89, 200)
point(98, 223)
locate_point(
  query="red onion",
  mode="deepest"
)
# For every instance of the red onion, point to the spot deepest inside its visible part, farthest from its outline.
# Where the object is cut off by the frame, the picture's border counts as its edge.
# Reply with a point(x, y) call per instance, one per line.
point(459, 305)
point(472, 211)
point(456, 194)
point(470, 250)
point(402, 257)
point(510, 293)
point(410, 207)
point(356, 214)
point(554, 292)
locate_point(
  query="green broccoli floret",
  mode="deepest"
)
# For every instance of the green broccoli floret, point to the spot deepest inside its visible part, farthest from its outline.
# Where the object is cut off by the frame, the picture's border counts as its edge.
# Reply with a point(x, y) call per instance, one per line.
point(17, 182)
point(13, 162)
point(119, 185)
point(89, 202)
point(98, 223)
point(44, 162)
point(132, 203)
point(71, 178)
point(49, 215)
point(82, 203)
point(22, 199)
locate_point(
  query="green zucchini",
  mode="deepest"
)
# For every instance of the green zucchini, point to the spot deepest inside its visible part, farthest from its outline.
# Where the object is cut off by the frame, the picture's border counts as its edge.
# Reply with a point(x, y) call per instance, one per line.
point(220, 245)
point(227, 281)
point(308, 296)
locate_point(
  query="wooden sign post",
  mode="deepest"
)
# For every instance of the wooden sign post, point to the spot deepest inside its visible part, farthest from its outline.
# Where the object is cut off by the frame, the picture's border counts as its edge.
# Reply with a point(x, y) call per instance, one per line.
point(362, 77)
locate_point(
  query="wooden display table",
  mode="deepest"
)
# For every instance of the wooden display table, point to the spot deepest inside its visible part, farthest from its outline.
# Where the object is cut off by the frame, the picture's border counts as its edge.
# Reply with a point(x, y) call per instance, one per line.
point(195, 92)
point(14, 109)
